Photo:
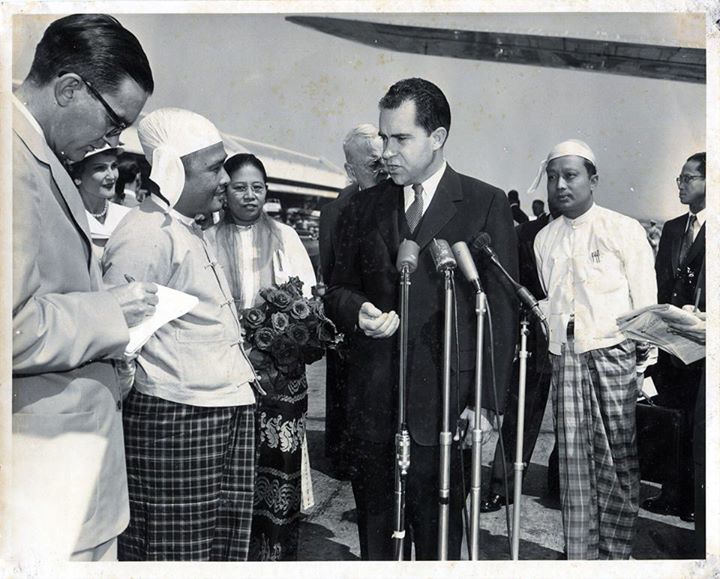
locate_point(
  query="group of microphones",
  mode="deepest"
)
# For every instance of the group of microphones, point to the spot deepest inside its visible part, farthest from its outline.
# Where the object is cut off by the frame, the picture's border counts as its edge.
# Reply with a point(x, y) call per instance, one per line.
point(446, 259)
point(460, 255)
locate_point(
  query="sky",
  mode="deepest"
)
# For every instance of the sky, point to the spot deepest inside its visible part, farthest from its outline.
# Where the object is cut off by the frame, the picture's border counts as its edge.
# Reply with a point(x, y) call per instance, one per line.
point(260, 77)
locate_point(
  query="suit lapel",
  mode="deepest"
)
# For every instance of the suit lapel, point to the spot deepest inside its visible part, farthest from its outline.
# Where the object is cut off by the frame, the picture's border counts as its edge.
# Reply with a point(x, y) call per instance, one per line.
point(69, 196)
point(387, 215)
point(677, 242)
point(697, 246)
point(441, 209)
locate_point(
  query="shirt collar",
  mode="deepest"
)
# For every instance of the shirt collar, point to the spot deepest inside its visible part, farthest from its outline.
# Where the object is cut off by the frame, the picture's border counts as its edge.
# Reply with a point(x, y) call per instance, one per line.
point(429, 186)
point(28, 115)
point(431, 183)
point(584, 218)
point(700, 215)
point(189, 221)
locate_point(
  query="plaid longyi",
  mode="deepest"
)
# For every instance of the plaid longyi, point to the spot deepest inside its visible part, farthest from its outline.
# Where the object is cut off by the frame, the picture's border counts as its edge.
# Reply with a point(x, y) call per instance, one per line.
point(191, 475)
point(594, 396)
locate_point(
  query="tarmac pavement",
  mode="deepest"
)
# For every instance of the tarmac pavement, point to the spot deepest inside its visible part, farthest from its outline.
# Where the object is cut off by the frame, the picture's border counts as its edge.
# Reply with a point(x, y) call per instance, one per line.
point(328, 534)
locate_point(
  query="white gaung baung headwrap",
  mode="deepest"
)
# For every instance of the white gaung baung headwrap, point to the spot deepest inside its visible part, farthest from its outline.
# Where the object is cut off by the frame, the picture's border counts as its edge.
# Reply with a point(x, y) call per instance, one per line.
point(570, 147)
point(165, 136)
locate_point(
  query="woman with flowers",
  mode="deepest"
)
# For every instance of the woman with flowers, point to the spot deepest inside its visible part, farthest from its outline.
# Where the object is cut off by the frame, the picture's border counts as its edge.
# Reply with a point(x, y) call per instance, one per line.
point(271, 278)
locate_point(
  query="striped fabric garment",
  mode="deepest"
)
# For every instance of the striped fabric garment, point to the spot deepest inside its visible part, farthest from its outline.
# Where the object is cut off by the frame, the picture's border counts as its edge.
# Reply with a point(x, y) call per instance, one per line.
point(594, 397)
point(191, 473)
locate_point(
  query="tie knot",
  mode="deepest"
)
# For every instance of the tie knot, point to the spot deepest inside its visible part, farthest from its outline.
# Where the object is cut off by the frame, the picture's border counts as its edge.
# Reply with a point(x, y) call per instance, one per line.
point(418, 188)
point(692, 220)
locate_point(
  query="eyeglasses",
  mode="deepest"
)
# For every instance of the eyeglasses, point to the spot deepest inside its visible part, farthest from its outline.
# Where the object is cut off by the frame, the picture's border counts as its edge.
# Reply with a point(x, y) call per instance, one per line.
point(119, 124)
point(685, 179)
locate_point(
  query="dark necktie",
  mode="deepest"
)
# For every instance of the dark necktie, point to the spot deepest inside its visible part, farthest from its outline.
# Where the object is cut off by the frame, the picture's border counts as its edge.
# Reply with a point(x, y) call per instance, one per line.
point(687, 240)
point(415, 211)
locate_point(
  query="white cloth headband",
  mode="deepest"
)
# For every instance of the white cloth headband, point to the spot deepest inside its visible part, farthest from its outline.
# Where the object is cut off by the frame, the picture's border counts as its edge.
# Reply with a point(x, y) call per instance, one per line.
point(570, 147)
point(168, 134)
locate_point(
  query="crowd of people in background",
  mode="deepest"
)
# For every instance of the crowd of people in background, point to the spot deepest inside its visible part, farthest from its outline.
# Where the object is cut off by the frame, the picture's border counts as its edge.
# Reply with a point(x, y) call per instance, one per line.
point(192, 446)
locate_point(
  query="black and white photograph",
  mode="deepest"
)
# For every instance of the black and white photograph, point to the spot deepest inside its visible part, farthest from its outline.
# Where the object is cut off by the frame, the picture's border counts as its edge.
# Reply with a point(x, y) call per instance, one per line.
point(358, 289)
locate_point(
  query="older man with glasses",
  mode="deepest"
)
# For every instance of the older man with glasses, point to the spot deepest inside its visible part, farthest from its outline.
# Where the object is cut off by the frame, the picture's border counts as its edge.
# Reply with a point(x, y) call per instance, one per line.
point(70, 496)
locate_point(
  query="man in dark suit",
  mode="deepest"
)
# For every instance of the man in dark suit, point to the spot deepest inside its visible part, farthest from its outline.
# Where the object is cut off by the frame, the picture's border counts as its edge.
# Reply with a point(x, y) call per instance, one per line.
point(679, 268)
point(519, 216)
point(364, 167)
point(537, 385)
point(425, 199)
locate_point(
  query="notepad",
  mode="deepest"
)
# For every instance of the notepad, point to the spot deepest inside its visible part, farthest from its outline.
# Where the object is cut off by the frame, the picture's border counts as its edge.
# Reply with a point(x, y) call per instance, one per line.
point(171, 305)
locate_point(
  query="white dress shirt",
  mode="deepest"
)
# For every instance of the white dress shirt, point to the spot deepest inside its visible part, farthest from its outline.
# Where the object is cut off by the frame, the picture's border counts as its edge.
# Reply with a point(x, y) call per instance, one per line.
point(429, 187)
point(594, 269)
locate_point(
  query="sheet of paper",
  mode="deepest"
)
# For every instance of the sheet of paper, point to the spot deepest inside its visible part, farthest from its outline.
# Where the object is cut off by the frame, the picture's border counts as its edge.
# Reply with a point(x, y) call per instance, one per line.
point(171, 305)
point(650, 325)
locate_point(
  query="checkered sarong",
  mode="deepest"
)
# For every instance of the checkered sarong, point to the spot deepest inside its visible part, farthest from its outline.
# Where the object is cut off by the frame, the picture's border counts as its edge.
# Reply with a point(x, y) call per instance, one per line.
point(594, 396)
point(191, 478)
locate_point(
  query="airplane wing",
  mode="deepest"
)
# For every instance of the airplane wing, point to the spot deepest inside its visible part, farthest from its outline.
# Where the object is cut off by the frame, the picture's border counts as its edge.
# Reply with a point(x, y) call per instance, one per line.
point(589, 55)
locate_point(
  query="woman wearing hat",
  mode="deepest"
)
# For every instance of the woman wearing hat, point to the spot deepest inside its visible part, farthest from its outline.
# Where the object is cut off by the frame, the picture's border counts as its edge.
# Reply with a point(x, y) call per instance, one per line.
point(95, 177)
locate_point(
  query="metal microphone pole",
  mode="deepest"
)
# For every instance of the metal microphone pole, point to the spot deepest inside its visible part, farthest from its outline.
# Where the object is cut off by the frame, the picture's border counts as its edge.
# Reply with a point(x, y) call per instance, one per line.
point(477, 434)
point(519, 465)
point(402, 438)
point(445, 434)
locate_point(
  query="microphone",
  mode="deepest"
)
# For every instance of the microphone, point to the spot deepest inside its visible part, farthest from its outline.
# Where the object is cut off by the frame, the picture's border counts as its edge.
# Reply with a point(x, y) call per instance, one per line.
point(442, 255)
point(467, 264)
point(407, 256)
point(481, 244)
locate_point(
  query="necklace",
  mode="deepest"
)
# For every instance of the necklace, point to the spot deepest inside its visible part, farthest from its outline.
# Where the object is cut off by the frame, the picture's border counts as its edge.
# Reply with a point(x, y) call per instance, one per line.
point(102, 213)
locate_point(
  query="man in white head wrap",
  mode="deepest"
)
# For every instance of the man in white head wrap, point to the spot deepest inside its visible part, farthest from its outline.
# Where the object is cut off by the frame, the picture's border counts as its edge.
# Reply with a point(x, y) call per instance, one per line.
point(189, 418)
point(595, 265)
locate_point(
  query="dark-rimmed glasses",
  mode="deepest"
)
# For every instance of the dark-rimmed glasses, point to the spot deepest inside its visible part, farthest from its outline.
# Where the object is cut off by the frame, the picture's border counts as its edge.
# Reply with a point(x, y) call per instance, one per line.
point(119, 124)
point(685, 179)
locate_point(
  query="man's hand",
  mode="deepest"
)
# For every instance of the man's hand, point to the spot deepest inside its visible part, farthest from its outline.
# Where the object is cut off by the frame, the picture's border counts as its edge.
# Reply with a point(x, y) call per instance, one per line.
point(137, 301)
point(696, 331)
point(375, 323)
point(487, 419)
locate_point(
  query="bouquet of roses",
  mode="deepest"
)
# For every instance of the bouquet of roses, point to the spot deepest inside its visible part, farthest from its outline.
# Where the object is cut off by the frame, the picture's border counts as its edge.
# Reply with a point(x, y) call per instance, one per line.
point(286, 331)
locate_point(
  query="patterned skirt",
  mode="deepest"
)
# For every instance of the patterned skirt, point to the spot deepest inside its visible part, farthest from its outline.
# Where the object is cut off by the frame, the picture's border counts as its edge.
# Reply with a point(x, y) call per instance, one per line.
point(190, 478)
point(280, 431)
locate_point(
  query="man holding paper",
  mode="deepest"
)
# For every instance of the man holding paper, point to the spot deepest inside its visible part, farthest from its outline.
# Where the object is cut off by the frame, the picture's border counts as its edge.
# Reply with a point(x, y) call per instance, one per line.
point(680, 273)
point(188, 420)
point(595, 265)
point(89, 78)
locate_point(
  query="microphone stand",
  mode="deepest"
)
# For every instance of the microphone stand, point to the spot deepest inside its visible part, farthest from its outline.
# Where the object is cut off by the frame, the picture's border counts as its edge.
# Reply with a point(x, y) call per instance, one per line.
point(477, 434)
point(402, 438)
point(445, 434)
point(519, 465)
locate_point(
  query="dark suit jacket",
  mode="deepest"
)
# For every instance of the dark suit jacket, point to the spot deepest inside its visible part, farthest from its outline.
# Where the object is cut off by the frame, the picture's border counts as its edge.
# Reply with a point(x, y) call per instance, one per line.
point(518, 214)
point(369, 237)
point(537, 343)
point(328, 221)
point(676, 281)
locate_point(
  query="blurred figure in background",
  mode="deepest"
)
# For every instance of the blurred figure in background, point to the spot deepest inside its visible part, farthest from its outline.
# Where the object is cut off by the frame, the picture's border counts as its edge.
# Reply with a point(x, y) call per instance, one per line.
point(538, 208)
point(129, 182)
point(96, 177)
point(364, 167)
point(519, 216)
